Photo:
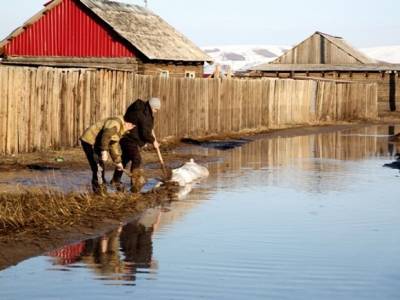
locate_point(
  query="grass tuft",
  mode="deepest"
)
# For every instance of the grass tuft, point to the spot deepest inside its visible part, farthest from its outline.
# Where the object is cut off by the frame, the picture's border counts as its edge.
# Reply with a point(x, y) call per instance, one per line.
point(48, 209)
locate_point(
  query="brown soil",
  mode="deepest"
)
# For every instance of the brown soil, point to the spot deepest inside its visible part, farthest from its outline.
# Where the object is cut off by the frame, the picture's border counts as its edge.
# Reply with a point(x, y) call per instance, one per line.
point(72, 159)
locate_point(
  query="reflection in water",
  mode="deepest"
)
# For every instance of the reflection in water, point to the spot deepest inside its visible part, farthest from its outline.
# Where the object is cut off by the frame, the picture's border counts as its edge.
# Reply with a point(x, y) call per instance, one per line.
point(391, 133)
point(305, 217)
point(116, 255)
point(313, 163)
point(119, 254)
point(346, 145)
point(393, 148)
point(69, 254)
point(394, 164)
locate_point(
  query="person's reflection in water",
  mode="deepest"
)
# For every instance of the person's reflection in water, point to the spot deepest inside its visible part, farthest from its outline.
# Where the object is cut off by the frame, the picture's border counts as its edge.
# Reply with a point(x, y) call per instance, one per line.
point(104, 255)
point(136, 241)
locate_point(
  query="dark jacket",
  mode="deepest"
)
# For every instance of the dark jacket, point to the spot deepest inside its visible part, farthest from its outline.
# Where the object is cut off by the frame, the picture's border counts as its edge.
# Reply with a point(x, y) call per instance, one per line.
point(142, 116)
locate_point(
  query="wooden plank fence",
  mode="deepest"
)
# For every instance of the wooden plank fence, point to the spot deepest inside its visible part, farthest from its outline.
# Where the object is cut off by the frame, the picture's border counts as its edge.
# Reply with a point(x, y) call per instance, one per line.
point(49, 108)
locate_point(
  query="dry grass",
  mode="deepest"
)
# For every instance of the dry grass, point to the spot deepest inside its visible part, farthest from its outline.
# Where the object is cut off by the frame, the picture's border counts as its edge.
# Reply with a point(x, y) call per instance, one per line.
point(53, 209)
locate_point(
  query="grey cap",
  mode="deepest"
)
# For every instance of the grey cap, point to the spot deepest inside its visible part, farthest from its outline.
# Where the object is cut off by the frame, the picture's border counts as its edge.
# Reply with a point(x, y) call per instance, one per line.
point(155, 103)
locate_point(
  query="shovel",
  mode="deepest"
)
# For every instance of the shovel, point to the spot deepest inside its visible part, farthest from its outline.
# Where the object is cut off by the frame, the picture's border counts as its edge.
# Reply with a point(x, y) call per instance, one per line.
point(167, 175)
point(123, 170)
point(127, 172)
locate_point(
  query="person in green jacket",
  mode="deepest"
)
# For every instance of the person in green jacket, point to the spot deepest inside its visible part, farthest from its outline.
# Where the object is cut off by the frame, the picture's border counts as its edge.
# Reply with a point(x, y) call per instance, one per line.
point(101, 140)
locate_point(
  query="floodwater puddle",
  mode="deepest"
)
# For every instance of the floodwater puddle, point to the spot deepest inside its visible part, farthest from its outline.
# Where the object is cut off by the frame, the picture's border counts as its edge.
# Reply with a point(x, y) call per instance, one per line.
point(218, 144)
point(304, 217)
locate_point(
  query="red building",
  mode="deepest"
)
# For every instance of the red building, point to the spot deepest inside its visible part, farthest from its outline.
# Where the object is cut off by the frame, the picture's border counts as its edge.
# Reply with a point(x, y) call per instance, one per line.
point(100, 33)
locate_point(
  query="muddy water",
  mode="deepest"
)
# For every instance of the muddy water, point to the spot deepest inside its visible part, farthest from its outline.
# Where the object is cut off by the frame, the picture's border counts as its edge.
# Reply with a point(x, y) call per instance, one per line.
point(310, 217)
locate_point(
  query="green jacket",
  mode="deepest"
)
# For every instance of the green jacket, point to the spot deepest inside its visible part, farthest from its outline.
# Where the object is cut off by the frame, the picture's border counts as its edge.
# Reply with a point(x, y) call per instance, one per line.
point(105, 135)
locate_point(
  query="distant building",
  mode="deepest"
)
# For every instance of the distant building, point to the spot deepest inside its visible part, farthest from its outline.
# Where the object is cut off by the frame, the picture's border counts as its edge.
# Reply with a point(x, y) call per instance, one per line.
point(325, 56)
point(100, 33)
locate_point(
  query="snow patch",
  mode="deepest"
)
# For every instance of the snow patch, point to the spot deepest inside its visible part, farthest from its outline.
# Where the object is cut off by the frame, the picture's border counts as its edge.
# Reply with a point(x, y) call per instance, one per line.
point(390, 54)
point(241, 57)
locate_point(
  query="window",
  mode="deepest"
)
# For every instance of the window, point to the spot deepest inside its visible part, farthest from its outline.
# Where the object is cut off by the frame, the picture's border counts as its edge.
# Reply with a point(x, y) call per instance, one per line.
point(164, 73)
point(190, 74)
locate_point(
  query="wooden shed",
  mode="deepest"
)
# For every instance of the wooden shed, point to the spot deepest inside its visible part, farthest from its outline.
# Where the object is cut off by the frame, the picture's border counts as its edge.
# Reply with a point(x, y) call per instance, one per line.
point(105, 34)
point(323, 56)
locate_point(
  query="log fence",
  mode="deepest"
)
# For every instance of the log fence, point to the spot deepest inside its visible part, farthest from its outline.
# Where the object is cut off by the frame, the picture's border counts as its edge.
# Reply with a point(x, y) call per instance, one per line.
point(49, 108)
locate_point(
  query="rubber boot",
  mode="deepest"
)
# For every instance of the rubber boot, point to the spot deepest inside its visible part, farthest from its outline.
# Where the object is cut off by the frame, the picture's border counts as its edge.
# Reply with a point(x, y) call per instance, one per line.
point(118, 185)
point(99, 189)
point(116, 176)
point(137, 180)
point(98, 181)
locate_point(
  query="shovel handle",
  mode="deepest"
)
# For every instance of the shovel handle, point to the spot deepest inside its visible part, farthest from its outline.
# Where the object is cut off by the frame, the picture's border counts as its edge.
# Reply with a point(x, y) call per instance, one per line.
point(124, 170)
point(127, 172)
point(160, 158)
point(161, 161)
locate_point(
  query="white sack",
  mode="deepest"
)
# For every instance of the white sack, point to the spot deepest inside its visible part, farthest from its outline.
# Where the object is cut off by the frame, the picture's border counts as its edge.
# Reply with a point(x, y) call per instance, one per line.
point(188, 173)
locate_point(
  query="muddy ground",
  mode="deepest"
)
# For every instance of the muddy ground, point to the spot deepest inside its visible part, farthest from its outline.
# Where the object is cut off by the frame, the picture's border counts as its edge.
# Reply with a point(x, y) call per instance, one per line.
point(19, 245)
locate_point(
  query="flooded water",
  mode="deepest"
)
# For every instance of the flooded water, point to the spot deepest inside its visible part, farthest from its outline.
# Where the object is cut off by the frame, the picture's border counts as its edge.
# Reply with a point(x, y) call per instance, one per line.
point(309, 217)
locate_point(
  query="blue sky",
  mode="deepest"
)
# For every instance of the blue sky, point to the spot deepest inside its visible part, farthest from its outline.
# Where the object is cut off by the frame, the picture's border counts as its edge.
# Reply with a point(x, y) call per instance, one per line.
point(364, 23)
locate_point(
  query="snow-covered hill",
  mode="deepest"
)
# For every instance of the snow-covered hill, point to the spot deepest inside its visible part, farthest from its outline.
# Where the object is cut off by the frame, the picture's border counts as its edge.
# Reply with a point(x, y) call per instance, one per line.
point(389, 54)
point(242, 57)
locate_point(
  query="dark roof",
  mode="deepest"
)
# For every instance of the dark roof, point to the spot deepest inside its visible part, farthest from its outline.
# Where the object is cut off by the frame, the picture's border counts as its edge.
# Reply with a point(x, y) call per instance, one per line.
point(144, 30)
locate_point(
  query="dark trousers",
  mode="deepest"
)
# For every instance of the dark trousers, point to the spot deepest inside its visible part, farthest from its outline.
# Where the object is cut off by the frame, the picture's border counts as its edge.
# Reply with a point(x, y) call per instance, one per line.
point(96, 165)
point(130, 153)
